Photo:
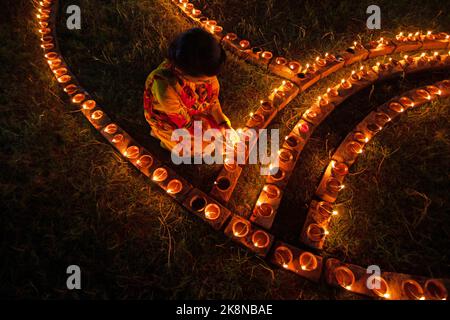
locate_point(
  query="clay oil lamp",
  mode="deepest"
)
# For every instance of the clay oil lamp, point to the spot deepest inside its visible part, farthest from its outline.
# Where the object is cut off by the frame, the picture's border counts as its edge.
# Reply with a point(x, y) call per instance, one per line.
point(144, 161)
point(308, 261)
point(344, 277)
point(174, 186)
point(260, 239)
point(240, 229)
point(294, 66)
point(212, 211)
point(315, 232)
point(160, 174)
point(283, 255)
point(272, 192)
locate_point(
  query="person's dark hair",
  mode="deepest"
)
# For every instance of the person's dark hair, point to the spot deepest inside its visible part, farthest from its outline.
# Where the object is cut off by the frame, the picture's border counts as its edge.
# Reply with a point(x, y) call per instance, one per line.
point(197, 53)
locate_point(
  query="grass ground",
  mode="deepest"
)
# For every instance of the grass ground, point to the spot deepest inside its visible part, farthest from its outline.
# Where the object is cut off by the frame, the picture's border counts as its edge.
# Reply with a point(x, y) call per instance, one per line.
point(70, 199)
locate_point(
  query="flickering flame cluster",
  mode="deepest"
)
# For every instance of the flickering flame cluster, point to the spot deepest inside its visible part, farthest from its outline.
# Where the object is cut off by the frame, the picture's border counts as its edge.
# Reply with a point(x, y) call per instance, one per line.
point(241, 230)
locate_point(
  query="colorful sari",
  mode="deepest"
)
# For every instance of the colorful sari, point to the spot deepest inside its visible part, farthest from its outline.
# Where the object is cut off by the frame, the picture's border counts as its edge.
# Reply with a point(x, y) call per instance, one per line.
point(173, 102)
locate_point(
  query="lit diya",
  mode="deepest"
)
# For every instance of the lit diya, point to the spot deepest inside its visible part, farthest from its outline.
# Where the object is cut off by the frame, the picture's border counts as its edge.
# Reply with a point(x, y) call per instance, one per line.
point(47, 46)
point(144, 161)
point(332, 92)
point(413, 290)
point(223, 183)
point(118, 138)
point(355, 76)
point(423, 94)
point(267, 55)
point(283, 255)
point(174, 186)
point(272, 191)
point(396, 107)
point(323, 212)
point(330, 57)
point(354, 147)
point(381, 288)
point(64, 79)
point(212, 211)
point(160, 174)
point(344, 277)
point(244, 44)
point(260, 239)
point(51, 55)
point(280, 61)
point(433, 90)
point(264, 210)
point(240, 228)
point(55, 63)
point(294, 66)
point(285, 156)
point(360, 137)
point(381, 118)
point(323, 101)
point(303, 127)
point(231, 36)
point(334, 185)
point(196, 12)
point(216, 29)
point(345, 84)
point(292, 141)
point(132, 152)
point(287, 85)
point(321, 62)
point(256, 119)
point(277, 174)
point(308, 261)
point(312, 114)
point(339, 168)
point(374, 127)
point(89, 104)
point(78, 98)
point(97, 115)
point(266, 106)
point(315, 232)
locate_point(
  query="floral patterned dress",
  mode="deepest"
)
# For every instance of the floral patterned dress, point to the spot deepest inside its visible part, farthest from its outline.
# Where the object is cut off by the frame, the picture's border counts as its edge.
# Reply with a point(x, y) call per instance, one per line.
point(172, 102)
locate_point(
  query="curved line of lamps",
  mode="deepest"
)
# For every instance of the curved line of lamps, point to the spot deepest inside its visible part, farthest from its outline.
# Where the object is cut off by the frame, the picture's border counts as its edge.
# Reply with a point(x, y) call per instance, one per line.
point(241, 230)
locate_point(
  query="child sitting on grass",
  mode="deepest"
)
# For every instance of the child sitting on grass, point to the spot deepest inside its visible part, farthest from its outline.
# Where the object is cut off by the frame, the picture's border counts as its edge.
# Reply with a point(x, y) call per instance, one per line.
point(184, 88)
